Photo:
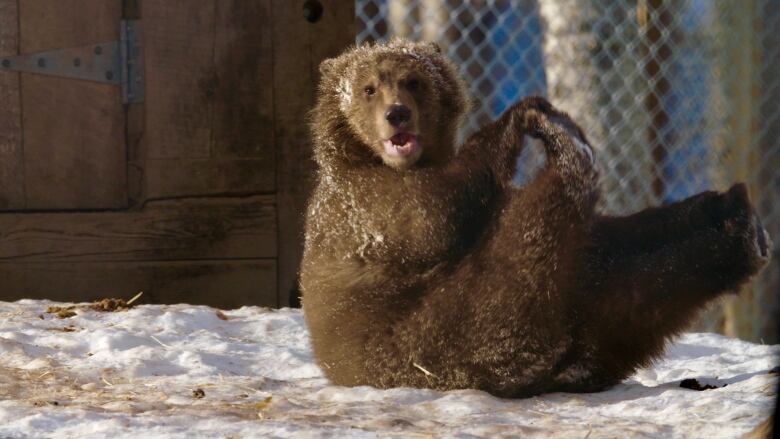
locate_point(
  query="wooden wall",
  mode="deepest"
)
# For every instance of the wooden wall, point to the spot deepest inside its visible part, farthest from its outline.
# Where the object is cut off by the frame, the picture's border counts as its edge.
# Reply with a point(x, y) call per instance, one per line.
point(195, 195)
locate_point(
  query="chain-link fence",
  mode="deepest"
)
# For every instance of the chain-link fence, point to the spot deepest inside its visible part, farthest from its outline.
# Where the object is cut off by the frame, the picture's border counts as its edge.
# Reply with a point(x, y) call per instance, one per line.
point(677, 96)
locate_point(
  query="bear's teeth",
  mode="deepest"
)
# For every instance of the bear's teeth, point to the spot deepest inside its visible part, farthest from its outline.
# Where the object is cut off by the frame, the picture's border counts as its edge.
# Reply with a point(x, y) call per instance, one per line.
point(401, 145)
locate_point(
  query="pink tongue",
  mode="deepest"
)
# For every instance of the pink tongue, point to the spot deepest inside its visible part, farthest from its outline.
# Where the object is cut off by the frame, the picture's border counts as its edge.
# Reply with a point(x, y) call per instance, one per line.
point(401, 144)
point(401, 139)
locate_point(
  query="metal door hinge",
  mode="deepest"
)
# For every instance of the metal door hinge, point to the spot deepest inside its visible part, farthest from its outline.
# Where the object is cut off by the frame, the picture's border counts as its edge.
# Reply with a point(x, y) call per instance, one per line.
point(114, 62)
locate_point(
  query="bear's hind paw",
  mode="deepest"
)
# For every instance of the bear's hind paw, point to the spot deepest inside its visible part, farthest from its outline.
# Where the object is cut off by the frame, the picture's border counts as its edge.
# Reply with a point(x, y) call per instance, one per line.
point(763, 242)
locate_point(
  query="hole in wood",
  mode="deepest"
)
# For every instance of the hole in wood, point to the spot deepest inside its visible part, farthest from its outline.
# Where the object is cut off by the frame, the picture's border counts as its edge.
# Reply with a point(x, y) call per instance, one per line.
point(312, 10)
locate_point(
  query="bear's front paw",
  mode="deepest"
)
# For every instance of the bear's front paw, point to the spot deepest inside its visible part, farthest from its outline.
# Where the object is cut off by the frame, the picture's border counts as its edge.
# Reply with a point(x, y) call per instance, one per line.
point(558, 132)
point(535, 112)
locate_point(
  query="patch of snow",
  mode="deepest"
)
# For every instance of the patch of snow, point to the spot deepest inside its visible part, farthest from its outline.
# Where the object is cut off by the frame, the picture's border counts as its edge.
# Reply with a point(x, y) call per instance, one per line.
point(135, 374)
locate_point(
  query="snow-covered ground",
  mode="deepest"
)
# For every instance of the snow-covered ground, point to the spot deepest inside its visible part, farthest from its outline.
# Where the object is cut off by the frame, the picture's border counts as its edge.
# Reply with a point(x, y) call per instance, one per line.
point(191, 371)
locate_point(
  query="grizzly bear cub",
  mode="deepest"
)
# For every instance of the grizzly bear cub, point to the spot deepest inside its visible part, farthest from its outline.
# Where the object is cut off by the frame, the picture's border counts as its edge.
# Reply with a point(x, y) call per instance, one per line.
point(424, 266)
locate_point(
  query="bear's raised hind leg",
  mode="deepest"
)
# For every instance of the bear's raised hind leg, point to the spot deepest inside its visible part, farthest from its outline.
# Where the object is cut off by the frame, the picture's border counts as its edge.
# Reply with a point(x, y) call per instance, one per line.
point(639, 291)
point(654, 227)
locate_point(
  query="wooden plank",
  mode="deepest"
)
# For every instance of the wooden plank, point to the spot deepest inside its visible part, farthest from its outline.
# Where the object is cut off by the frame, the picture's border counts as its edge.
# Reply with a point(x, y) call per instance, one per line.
point(183, 177)
point(299, 47)
point(180, 77)
point(243, 103)
point(74, 149)
point(209, 109)
point(52, 24)
point(223, 284)
point(11, 158)
point(134, 123)
point(179, 229)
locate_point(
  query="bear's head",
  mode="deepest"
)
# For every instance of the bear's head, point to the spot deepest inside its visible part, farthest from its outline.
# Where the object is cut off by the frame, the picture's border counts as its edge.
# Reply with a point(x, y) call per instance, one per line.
point(398, 103)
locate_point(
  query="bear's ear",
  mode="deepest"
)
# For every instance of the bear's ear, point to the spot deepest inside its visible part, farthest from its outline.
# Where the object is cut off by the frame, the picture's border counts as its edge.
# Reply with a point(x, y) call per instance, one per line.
point(326, 66)
point(436, 48)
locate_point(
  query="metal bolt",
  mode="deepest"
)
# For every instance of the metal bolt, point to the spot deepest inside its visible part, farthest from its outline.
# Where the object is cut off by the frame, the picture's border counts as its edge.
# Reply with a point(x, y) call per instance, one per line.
point(312, 10)
point(98, 50)
point(41, 63)
point(109, 75)
point(6, 63)
point(76, 62)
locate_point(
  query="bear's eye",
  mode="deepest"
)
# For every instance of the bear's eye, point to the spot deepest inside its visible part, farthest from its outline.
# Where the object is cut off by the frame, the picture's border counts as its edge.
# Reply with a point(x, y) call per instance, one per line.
point(413, 84)
point(370, 90)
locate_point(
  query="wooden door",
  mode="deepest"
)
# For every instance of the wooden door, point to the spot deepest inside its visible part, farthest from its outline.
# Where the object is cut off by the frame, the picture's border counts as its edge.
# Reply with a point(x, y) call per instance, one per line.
point(62, 143)
point(194, 193)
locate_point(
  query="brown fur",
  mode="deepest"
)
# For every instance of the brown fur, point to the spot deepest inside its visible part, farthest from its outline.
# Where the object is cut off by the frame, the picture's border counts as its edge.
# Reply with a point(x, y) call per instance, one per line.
point(436, 272)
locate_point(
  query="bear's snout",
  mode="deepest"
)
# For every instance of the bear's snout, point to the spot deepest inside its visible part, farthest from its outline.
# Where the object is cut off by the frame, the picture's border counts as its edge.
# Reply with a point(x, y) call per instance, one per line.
point(398, 115)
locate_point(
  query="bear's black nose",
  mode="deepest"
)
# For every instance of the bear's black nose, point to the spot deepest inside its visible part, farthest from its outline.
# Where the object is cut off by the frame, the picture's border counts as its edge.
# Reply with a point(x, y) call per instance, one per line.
point(398, 115)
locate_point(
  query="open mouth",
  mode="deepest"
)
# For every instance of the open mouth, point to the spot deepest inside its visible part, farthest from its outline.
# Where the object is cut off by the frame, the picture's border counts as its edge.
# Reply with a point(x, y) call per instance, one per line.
point(401, 145)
